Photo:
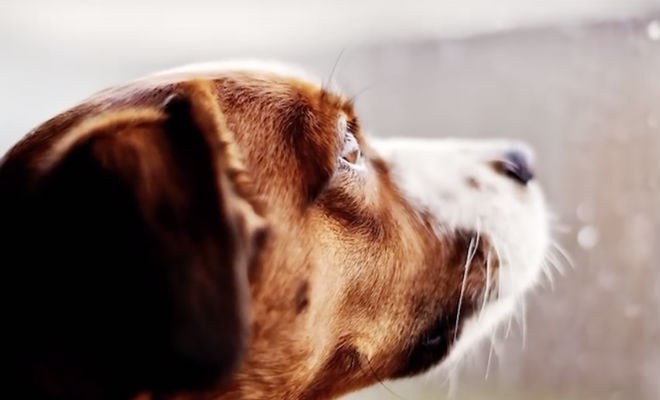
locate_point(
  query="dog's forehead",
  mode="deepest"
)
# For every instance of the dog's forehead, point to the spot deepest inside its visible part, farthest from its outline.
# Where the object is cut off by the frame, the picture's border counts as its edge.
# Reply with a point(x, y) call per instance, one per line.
point(250, 66)
point(264, 71)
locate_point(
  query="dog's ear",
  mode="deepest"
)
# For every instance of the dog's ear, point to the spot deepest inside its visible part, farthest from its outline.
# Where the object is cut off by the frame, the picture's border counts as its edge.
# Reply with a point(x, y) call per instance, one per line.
point(143, 228)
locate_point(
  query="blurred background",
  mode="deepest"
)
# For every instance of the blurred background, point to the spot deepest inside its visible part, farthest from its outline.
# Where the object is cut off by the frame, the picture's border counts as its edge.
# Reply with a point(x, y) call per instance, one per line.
point(579, 80)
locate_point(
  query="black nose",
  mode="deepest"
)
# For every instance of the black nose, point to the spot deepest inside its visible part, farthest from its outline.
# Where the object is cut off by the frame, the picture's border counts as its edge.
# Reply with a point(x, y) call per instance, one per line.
point(517, 166)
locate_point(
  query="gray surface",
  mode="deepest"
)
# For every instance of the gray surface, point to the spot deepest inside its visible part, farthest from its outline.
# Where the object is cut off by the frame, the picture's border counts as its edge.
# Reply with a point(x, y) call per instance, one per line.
point(588, 98)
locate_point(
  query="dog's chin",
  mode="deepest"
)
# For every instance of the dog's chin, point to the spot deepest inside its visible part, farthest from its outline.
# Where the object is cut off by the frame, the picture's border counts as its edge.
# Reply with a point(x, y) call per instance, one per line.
point(433, 345)
point(429, 349)
point(438, 340)
point(445, 327)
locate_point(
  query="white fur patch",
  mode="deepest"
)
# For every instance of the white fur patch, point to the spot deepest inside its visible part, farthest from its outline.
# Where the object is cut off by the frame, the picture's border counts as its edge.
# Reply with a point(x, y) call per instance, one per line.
point(456, 181)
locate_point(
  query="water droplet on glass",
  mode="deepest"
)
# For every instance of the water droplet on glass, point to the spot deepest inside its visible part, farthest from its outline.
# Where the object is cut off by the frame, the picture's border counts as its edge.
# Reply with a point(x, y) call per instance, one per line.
point(588, 237)
point(653, 30)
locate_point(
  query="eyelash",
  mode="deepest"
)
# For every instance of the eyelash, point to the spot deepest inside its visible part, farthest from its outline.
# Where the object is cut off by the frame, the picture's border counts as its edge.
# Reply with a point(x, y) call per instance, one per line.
point(351, 126)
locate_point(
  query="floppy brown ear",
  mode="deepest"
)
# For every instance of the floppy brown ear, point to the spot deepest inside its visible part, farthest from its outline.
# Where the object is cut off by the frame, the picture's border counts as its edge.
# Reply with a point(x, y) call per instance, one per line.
point(134, 248)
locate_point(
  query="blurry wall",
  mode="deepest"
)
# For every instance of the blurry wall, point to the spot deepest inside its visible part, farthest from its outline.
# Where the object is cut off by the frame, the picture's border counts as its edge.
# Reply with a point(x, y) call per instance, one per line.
point(578, 81)
point(588, 99)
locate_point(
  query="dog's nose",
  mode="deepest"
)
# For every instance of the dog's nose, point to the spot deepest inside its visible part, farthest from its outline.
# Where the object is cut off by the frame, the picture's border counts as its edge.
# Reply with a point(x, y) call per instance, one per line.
point(517, 165)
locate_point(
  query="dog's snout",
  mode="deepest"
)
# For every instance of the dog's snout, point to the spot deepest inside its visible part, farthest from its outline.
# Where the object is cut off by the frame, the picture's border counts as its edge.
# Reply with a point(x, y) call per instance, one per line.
point(517, 165)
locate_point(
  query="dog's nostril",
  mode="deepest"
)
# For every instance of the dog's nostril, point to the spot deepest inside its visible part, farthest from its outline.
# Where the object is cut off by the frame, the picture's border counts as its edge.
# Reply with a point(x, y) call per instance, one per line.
point(517, 165)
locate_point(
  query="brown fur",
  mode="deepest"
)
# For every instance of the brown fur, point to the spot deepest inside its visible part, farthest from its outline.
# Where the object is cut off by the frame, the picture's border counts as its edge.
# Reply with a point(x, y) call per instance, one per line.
point(235, 176)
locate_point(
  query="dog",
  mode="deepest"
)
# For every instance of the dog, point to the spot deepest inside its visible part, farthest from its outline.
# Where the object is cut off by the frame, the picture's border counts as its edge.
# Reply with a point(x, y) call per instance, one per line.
point(227, 231)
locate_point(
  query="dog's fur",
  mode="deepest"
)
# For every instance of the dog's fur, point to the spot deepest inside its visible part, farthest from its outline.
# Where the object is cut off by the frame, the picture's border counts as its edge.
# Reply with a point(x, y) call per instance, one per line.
point(205, 232)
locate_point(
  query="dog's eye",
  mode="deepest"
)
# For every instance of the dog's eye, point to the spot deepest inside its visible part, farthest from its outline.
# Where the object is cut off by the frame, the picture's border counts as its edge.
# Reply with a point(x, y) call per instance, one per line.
point(350, 153)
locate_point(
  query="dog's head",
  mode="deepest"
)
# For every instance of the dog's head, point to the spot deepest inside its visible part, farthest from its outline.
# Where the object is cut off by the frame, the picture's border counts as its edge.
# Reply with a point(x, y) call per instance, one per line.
point(258, 215)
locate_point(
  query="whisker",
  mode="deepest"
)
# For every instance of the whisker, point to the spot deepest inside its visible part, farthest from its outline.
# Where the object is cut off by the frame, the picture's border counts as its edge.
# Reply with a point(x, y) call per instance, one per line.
point(547, 271)
point(556, 262)
point(487, 289)
point(453, 384)
point(490, 357)
point(472, 249)
point(362, 91)
point(563, 253)
point(380, 381)
point(328, 83)
point(501, 261)
point(381, 81)
point(508, 327)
